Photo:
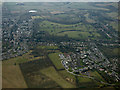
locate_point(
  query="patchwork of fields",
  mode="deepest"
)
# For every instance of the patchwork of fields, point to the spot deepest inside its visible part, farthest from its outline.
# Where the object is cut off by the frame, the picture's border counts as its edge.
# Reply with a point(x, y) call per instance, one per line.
point(30, 70)
point(56, 23)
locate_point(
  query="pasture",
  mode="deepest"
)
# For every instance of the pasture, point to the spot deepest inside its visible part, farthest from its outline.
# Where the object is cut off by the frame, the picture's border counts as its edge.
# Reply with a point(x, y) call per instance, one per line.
point(51, 72)
point(54, 57)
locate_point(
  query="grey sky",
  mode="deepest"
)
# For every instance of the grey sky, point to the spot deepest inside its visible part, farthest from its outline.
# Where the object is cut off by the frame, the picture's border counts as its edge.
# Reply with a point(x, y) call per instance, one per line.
point(59, 0)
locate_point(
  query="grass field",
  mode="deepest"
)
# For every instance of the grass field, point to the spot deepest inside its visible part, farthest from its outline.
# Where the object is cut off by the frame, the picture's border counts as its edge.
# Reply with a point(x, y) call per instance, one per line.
point(48, 47)
point(86, 82)
point(57, 27)
point(42, 67)
point(79, 30)
point(54, 57)
point(83, 80)
point(50, 72)
point(21, 59)
point(78, 34)
point(88, 19)
point(110, 52)
point(68, 77)
point(77, 80)
point(38, 80)
point(75, 34)
point(96, 75)
point(12, 76)
point(114, 25)
point(36, 17)
point(113, 15)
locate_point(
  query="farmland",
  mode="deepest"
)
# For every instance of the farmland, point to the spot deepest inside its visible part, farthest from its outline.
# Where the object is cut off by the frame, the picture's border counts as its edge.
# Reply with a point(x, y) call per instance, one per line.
point(40, 72)
point(50, 72)
point(11, 74)
point(60, 45)
point(72, 31)
point(56, 60)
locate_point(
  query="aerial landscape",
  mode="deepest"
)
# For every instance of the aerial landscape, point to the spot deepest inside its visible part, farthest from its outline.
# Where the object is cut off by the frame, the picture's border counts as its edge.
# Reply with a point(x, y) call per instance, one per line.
point(60, 45)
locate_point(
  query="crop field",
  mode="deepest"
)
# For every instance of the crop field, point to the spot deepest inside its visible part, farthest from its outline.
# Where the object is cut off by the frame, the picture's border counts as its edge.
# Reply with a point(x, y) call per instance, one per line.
point(110, 51)
point(21, 59)
point(38, 80)
point(89, 19)
point(78, 80)
point(68, 77)
point(57, 28)
point(97, 76)
point(50, 72)
point(47, 72)
point(12, 72)
point(83, 82)
point(54, 57)
point(114, 25)
point(12, 76)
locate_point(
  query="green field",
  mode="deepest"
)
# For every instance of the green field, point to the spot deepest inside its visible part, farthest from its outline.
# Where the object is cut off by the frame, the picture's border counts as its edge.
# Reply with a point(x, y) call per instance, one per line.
point(21, 59)
point(54, 57)
point(114, 25)
point(97, 76)
point(51, 72)
point(41, 67)
point(60, 18)
point(37, 79)
point(87, 83)
point(77, 80)
point(12, 76)
point(67, 76)
point(113, 15)
point(57, 27)
point(40, 72)
point(79, 30)
point(47, 47)
point(89, 19)
point(110, 52)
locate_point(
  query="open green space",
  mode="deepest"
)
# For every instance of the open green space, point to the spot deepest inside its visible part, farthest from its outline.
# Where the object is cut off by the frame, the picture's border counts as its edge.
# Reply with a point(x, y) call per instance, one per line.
point(89, 19)
point(22, 59)
point(56, 22)
point(113, 15)
point(54, 57)
point(67, 76)
point(12, 76)
point(80, 81)
point(53, 27)
point(86, 82)
point(110, 52)
point(97, 76)
point(38, 80)
point(73, 30)
point(51, 72)
point(47, 47)
point(114, 25)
